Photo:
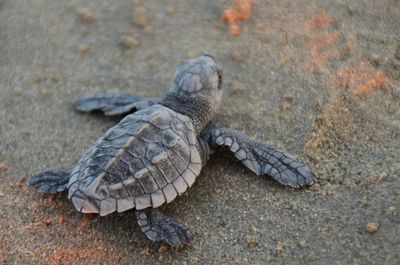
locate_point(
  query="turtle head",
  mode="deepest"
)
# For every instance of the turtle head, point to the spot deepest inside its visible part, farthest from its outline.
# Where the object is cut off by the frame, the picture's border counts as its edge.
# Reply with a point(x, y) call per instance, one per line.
point(196, 90)
point(199, 78)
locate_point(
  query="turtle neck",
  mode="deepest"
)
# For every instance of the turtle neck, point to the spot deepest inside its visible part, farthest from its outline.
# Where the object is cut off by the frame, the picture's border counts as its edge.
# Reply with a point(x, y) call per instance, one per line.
point(197, 108)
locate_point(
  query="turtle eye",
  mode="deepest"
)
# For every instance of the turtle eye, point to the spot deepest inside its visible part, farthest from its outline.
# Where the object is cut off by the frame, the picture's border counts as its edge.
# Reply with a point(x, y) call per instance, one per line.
point(219, 72)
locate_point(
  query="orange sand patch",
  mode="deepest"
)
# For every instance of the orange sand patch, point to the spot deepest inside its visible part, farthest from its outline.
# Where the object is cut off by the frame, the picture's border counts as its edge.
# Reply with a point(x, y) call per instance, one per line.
point(45, 222)
point(238, 12)
point(49, 201)
point(320, 60)
point(318, 22)
point(323, 41)
point(234, 30)
point(62, 220)
point(261, 26)
point(86, 220)
point(361, 78)
point(72, 256)
point(324, 46)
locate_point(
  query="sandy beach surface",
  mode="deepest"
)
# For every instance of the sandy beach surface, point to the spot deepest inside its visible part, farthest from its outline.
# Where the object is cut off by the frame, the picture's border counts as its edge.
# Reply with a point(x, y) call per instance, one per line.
point(319, 79)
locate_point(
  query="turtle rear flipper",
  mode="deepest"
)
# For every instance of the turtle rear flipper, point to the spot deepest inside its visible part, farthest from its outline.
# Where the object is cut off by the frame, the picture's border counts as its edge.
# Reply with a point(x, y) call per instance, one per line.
point(159, 227)
point(112, 104)
point(50, 181)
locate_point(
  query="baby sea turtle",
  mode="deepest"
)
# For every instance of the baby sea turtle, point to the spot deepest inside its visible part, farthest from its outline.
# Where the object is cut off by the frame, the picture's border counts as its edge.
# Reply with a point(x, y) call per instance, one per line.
point(157, 151)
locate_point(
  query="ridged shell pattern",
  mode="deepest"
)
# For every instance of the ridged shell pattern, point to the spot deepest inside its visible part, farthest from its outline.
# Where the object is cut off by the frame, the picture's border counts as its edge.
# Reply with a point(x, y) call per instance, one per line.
point(147, 159)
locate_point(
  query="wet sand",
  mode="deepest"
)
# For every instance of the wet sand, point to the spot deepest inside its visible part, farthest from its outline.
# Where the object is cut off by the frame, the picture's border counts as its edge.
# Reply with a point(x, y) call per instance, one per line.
point(319, 79)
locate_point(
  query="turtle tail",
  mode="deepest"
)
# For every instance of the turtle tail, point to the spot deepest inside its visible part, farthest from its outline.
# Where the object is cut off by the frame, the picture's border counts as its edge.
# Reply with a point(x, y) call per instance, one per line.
point(50, 181)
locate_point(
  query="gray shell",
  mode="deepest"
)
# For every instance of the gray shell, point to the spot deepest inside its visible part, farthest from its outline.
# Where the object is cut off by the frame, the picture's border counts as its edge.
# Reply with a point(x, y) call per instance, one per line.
point(147, 159)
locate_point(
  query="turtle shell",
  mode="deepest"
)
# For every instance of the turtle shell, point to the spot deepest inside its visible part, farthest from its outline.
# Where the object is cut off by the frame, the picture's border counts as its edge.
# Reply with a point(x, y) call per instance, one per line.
point(147, 159)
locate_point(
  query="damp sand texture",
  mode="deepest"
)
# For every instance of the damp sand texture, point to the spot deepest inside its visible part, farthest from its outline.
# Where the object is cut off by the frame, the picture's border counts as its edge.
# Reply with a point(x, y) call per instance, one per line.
point(319, 79)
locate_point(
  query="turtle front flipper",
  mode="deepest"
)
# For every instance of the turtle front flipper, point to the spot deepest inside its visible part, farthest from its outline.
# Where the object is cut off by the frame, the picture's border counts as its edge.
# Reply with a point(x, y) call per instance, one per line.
point(261, 158)
point(112, 104)
point(159, 227)
point(51, 181)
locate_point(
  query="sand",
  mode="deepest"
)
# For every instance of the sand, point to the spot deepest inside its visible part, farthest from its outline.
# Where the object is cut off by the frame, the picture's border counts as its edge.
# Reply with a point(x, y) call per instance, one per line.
point(319, 79)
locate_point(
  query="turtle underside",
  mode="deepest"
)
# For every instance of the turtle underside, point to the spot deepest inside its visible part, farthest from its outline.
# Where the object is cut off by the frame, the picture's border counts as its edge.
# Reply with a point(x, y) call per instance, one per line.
point(145, 160)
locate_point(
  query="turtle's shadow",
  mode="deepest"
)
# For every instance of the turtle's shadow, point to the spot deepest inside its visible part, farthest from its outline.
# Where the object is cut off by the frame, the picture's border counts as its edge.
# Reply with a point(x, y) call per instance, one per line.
point(99, 116)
